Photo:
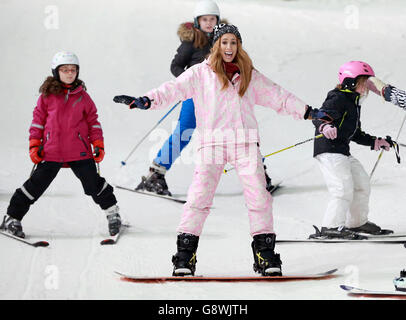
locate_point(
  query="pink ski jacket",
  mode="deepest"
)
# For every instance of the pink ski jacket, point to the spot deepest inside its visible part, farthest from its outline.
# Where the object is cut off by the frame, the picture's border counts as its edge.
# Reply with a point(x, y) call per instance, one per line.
point(67, 124)
point(222, 116)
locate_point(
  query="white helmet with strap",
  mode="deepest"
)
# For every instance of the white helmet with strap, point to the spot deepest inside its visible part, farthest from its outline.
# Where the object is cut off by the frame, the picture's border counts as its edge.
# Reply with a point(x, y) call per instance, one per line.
point(61, 58)
point(206, 8)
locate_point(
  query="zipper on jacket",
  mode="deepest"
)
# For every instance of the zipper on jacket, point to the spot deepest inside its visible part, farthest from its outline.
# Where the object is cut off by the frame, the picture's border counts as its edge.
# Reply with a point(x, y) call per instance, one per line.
point(358, 117)
point(342, 120)
point(67, 96)
point(84, 143)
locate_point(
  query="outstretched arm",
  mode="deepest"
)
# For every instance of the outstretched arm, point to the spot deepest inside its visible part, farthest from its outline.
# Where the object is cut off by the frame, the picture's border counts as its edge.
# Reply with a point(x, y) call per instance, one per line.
point(269, 94)
point(179, 89)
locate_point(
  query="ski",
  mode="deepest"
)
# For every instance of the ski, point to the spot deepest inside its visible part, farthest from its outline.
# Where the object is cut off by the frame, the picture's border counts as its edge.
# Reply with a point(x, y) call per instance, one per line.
point(381, 236)
point(373, 293)
point(276, 187)
point(386, 236)
point(200, 278)
point(114, 239)
point(152, 194)
point(30, 243)
point(382, 240)
point(111, 240)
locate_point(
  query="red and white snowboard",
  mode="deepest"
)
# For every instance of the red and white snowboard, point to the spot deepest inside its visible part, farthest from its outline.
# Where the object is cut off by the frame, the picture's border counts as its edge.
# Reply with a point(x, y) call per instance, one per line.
point(315, 276)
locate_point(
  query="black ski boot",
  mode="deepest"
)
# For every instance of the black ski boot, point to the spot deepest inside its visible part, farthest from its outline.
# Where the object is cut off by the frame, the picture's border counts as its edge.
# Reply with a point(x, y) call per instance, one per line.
point(184, 261)
point(371, 228)
point(155, 181)
point(266, 261)
point(12, 226)
point(336, 233)
point(269, 186)
point(114, 220)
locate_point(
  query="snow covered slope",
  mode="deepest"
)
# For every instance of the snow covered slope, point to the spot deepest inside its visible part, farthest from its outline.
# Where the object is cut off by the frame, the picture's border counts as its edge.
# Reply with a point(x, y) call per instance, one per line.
point(125, 47)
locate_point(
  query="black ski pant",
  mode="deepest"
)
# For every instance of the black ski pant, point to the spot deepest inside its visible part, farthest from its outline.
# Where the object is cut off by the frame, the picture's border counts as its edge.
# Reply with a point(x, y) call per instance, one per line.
point(93, 185)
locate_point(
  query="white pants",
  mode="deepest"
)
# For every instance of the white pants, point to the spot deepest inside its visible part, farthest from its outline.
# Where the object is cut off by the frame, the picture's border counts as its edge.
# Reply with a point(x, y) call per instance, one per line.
point(349, 188)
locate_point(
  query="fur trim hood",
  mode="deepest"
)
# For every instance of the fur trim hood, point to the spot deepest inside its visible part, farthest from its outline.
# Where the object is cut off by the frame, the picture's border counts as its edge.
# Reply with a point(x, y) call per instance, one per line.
point(185, 30)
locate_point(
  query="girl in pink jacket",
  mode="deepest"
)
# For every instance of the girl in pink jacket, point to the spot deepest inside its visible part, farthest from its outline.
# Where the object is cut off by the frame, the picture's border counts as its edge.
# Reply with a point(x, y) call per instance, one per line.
point(63, 128)
point(225, 88)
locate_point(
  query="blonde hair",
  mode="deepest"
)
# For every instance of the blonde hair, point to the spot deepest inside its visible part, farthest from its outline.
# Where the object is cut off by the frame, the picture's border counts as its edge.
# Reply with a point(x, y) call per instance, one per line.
point(359, 82)
point(242, 60)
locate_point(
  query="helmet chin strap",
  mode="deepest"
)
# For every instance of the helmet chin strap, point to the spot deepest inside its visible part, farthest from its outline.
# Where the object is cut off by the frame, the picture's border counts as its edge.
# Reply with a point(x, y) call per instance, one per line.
point(55, 73)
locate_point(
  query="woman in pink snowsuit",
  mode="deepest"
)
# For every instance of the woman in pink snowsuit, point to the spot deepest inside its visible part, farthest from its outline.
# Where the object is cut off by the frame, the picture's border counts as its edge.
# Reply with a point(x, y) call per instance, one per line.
point(225, 88)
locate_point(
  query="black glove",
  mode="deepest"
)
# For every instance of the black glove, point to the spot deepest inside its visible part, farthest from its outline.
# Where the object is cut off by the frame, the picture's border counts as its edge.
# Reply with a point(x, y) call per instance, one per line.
point(314, 113)
point(140, 103)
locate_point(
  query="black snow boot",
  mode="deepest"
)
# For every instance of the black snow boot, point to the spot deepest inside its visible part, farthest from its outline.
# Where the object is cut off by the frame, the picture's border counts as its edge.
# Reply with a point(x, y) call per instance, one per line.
point(12, 226)
point(336, 233)
point(371, 228)
point(184, 261)
point(114, 220)
point(155, 181)
point(266, 261)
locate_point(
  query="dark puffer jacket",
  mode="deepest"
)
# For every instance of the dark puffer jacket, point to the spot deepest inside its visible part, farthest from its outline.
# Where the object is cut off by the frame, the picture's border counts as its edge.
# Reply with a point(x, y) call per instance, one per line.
point(344, 107)
point(187, 55)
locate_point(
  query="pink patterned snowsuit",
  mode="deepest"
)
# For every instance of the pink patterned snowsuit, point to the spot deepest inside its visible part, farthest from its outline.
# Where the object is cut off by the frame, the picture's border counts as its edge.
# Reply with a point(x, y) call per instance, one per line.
point(227, 133)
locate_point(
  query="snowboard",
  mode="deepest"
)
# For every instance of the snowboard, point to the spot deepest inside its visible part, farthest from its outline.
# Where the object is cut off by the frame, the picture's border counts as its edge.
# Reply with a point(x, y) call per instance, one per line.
point(152, 194)
point(373, 293)
point(293, 277)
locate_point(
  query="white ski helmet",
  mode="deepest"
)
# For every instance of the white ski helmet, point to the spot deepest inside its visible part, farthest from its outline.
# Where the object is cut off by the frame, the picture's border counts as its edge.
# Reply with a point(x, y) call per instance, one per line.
point(61, 58)
point(206, 8)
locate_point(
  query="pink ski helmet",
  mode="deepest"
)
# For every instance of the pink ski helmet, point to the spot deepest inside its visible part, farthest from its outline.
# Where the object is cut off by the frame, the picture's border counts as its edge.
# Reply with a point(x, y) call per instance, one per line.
point(349, 71)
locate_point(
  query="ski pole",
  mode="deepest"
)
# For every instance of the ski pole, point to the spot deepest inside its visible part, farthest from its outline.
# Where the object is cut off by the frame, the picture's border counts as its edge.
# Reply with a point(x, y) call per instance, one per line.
point(290, 147)
point(33, 169)
point(123, 163)
point(295, 145)
point(381, 153)
point(41, 147)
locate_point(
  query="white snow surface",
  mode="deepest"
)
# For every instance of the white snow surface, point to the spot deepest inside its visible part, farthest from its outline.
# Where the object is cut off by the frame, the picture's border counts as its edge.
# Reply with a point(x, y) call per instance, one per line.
point(125, 47)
